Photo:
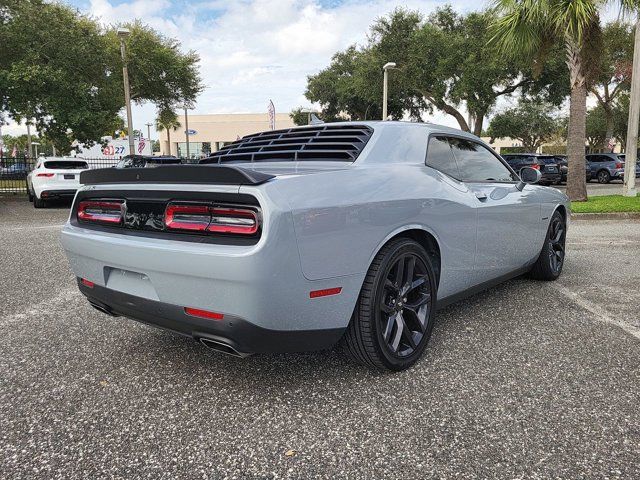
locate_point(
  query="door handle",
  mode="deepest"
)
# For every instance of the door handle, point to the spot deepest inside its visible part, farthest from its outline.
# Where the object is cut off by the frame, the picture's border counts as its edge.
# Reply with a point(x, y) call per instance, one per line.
point(481, 196)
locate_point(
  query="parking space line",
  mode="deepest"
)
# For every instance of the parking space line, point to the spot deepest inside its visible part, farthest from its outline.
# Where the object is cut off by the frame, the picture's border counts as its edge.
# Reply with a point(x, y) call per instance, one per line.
point(600, 313)
point(40, 227)
point(37, 309)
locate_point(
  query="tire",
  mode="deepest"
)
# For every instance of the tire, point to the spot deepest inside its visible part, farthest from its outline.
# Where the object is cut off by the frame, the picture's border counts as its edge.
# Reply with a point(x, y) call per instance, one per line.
point(39, 203)
point(385, 332)
point(603, 176)
point(29, 195)
point(549, 265)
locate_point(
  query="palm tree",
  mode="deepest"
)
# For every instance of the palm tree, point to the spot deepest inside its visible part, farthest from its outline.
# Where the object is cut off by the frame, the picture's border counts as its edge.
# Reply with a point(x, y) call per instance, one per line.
point(167, 120)
point(529, 27)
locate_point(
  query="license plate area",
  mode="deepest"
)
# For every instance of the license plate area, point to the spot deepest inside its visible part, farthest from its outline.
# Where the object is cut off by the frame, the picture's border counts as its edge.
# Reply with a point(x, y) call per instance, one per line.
point(69, 176)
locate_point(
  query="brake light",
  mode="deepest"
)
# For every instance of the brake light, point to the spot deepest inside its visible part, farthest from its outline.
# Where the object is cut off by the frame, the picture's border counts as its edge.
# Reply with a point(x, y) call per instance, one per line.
point(201, 218)
point(196, 312)
point(233, 220)
point(536, 166)
point(100, 211)
point(187, 217)
point(619, 164)
point(48, 175)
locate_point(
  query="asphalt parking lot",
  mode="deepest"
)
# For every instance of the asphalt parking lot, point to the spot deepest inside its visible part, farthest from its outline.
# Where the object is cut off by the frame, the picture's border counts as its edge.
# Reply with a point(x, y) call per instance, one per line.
point(527, 380)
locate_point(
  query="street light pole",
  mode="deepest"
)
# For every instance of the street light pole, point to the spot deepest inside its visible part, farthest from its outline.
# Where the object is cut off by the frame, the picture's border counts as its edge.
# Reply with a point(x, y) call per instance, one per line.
point(631, 150)
point(148, 130)
point(186, 129)
point(386, 68)
point(123, 33)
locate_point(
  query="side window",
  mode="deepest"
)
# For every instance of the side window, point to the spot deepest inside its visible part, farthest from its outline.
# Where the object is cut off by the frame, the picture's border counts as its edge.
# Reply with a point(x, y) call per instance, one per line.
point(477, 164)
point(439, 156)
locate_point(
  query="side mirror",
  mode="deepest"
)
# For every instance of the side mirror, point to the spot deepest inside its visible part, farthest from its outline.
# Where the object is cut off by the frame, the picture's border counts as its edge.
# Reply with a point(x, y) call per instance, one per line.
point(528, 176)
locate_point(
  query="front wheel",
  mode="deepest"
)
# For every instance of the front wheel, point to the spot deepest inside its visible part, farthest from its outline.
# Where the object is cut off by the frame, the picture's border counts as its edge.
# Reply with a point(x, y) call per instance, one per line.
point(551, 259)
point(394, 316)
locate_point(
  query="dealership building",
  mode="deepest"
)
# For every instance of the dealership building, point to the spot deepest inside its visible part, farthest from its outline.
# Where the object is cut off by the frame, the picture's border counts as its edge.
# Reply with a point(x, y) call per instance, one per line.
point(208, 133)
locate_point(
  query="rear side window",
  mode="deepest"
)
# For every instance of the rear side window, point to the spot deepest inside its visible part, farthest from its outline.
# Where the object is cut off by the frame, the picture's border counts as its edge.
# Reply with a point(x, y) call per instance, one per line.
point(439, 156)
point(65, 165)
point(477, 164)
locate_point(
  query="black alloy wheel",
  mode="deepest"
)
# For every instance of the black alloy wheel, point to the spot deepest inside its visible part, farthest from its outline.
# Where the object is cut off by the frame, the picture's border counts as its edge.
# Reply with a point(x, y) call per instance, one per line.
point(394, 316)
point(405, 305)
point(556, 244)
point(551, 260)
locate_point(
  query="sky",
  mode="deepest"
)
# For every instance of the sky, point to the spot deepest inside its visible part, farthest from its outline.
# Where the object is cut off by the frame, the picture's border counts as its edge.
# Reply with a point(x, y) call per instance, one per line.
point(252, 51)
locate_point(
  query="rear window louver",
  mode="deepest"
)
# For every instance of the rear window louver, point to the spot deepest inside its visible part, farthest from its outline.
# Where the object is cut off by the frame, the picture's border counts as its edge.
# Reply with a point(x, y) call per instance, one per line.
point(341, 143)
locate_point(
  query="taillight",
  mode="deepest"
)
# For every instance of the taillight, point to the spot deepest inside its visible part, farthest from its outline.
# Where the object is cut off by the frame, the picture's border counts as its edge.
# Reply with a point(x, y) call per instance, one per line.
point(215, 219)
point(536, 166)
point(48, 175)
point(619, 164)
point(100, 211)
point(187, 217)
point(233, 220)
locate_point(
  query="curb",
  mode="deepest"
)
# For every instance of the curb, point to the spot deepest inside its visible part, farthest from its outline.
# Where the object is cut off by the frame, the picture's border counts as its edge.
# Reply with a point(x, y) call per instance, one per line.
point(606, 216)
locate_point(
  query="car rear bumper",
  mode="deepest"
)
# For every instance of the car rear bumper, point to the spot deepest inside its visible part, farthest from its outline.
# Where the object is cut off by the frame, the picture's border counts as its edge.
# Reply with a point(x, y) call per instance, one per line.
point(551, 177)
point(241, 336)
point(66, 193)
point(259, 285)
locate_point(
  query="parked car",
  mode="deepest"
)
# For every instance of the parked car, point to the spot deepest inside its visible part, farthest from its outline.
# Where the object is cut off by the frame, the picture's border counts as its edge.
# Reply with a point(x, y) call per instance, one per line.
point(547, 164)
point(14, 171)
point(608, 166)
point(561, 160)
point(146, 161)
point(54, 177)
point(296, 239)
point(622, 157)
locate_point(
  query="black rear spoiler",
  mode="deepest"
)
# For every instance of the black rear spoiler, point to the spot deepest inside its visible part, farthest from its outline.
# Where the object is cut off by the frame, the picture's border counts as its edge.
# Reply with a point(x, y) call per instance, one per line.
point(204, 174)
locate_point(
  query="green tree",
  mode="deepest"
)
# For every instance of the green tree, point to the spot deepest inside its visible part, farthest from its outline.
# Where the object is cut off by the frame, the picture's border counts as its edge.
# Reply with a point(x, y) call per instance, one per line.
point(596, 128)
point(63, 72)
point(167, 120)
point(444, 63)
point(614, 78)
point(529, 28)
point(530, 122)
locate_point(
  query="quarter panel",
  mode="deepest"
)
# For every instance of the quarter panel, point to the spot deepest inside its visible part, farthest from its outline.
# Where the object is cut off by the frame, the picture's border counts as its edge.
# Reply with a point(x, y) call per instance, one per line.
point(342, 219)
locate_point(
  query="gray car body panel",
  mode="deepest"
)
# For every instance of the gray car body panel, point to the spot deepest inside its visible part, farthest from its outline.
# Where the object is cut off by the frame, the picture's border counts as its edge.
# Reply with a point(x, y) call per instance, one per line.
point(323, 223)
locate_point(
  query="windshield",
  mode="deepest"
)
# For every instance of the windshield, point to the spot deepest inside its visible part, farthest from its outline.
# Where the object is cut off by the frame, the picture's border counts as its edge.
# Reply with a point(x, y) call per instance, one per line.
point(65, 165)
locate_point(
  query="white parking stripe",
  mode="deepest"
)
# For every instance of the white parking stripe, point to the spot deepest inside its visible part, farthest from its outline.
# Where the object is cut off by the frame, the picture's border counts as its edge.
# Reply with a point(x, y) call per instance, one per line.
point(600, 313)
point(41, 227)
point(46, 306)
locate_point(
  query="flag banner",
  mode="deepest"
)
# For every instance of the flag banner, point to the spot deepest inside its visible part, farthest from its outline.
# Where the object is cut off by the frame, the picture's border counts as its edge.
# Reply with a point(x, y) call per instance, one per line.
point(272, 115)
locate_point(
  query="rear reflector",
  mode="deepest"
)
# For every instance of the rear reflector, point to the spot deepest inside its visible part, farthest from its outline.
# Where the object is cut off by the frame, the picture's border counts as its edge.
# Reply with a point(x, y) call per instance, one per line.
point(195, 312)
point(45, 174)
point(325, 292)
point(87, 283)
point(100, 211)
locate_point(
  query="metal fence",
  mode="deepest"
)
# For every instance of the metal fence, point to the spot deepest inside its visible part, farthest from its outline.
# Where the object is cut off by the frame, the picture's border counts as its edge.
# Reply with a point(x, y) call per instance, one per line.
point(13, 172)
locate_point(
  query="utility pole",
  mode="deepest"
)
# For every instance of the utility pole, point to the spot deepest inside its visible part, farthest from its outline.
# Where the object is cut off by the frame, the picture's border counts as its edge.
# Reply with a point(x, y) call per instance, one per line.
point(149, 135)
point(28, 139)
point(123, 33)
point(631, 152)
point(385, 81)
point(186, 128)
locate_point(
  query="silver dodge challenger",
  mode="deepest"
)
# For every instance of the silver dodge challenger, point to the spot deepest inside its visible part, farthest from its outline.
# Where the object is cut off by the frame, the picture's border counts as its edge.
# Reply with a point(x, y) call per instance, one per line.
point(297, 239)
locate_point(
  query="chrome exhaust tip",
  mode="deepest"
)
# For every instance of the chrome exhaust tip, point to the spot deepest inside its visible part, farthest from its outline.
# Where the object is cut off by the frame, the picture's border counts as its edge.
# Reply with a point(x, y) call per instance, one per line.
point(222, 347)
point(103, 309)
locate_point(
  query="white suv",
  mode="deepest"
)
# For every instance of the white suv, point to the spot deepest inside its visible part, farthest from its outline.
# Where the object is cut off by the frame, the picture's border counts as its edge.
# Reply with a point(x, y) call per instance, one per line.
point(54, 177)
